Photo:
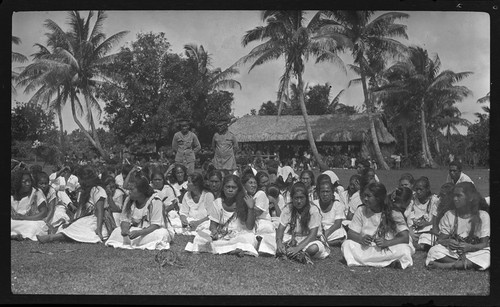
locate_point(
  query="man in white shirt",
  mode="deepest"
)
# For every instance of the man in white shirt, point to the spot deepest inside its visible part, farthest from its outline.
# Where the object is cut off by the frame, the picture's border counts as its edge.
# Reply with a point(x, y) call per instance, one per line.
point(455, 174)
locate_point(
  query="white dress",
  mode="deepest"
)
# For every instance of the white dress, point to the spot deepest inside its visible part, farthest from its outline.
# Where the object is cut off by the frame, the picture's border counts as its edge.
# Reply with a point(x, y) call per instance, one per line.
point(238, 237)
point(83, 229)
point(28, 229)
point(446, 226)
point(195, 211)
point(350, 204)
point(427, 210)
point(329, 218)
point(314, 221)
point(366, 222)
point(150, 214)
point(168, 194)
point(60, 216)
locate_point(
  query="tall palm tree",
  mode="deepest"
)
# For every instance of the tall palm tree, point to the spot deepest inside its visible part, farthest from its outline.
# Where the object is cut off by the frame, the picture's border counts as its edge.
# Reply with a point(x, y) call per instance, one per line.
point(369, 42)
point(76, 64)
point(286, 35)
point(16, 57)
point(427, 87)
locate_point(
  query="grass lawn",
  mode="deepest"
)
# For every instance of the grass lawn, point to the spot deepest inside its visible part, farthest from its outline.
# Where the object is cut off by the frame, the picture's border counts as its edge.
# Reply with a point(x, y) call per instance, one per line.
point(94, 269)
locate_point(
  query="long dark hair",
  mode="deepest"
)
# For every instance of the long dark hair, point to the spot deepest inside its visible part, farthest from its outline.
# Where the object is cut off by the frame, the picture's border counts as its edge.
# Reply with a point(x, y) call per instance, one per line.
point(401, 195)
point(239, 198)
point(88, 179)
point(303, 216)
point(474, 204)
point(142, 185)
point(445, 200)
point(16, 182)
point(387, 223)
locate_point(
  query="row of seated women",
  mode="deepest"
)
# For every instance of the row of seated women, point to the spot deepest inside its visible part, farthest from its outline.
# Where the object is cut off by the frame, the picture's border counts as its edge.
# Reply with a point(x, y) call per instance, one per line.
point(249, 216)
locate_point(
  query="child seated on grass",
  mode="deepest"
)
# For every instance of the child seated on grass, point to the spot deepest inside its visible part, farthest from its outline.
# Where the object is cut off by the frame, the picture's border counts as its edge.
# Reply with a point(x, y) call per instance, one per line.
point(464, 233)
point(232, 223)
point(351, 199)
point(299, 229)
point(332, 214)
point(421, 214)
point(378, 235)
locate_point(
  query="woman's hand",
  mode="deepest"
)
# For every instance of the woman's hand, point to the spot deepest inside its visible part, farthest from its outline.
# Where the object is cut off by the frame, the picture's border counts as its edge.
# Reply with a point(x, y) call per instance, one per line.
point(249, 201)
point(454, 244)
point(99, 233)
point(280, 248)
point(134, 234)
point(381, 242)
point(292, 251)
point(366, 240)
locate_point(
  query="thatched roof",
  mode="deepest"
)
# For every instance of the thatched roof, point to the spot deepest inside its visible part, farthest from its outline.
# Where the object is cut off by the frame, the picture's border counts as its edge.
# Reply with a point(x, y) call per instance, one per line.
point(326, 128)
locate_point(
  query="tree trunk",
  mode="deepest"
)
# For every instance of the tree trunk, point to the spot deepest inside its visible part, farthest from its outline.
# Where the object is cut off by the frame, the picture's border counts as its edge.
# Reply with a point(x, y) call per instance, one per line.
point(426, 152)
point(59, 115)
point(322, 166)
point(405, 140)
point(376, 146)
point(85, 132)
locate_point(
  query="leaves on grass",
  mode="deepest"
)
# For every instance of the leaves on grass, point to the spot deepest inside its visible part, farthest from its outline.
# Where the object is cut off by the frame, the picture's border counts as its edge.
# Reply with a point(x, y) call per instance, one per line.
point(167, 256)
point(42, 252)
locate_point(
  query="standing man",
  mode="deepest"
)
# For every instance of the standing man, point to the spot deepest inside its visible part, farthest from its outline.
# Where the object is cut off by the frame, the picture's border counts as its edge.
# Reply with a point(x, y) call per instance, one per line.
point(224, 145)
point(185, 145)
point(455, 174)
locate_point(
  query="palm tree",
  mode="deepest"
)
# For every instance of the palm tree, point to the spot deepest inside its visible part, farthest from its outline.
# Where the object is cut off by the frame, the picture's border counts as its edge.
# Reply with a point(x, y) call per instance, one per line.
point(287, 36)
point(76, 64)
point(369, 42)
point(16, 57)
point(427, 87)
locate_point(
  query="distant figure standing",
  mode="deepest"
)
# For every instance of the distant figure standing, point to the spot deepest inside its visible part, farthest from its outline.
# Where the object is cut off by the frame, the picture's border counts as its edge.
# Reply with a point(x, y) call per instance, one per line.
point(185, 144)
point(224, 145)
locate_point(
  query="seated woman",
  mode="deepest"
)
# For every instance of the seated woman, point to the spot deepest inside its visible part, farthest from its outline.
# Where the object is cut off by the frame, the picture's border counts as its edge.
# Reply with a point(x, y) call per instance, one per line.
point(332, 214)
point(464, 233)
point(276, 203)
point(232, 222)
point(193, 209)
point(178, 180)
point(142, 224)
point(169, 199)
point(57, 214)
point(215, 182)
point(307, 178)
point(28, 207)
point(115, 199)
point(378, 235)
point(87, 224)
point(350, 199)
point(264, 229)
point(299, 228)
point(421, 214)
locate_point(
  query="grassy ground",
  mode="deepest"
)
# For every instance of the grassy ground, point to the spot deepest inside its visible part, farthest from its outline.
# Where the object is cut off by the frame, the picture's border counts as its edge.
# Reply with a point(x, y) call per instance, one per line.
point(75, 268)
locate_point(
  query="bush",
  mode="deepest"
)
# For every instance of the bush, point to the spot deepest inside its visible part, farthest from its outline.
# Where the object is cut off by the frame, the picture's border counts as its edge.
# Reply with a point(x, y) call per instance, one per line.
point(22, 149)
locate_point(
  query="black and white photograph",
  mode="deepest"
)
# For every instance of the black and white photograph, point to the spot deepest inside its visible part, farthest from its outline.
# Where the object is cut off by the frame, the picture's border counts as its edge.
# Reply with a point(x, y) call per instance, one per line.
point(245, 152)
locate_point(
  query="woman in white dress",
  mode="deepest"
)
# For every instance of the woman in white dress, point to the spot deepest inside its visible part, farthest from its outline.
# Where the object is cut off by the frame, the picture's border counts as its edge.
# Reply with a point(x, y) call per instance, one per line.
point(351, 199)
point(299, 229)
point(178, 180)
point(28, 208)
point(57, 214)
point(421, 214)
point(378, 235)
point(168, 196)
point(142, 224)
point(193, 209)
point(87, 225)
point(232, 222)
point(264, 228)
point(332, 214)
point(464, 233)
point(115, 199)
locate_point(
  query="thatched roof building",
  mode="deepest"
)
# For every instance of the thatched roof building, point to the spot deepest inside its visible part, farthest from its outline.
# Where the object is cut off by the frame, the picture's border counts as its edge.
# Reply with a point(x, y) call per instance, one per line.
point(327, 129)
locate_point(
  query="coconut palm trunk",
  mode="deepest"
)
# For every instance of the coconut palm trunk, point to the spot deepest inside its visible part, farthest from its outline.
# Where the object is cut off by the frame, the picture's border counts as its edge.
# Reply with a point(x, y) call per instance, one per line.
point(310, 136)
point(376, 146)
point(405, 139)
point(426, 152)
point(82, 128)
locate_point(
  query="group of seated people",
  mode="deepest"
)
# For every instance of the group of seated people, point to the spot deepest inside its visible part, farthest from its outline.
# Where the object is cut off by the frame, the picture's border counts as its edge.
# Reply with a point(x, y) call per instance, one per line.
point(257, 213)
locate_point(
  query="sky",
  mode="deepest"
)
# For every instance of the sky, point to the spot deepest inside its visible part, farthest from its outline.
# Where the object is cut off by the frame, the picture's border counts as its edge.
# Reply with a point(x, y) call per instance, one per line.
point(461, 39)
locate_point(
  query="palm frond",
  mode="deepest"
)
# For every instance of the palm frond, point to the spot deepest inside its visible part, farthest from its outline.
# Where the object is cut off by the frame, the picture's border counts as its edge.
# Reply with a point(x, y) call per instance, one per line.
point(18, 57)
